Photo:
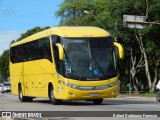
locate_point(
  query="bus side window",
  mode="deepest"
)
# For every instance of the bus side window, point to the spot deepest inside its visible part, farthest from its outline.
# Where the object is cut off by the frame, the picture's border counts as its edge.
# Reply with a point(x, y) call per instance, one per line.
point(58, 62)
point(16, 54)
point(12, 55)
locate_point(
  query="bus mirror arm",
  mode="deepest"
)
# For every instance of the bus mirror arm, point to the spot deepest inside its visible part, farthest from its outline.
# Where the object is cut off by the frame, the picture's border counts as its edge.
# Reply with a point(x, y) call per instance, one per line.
point(120, 50)
point(61, 51)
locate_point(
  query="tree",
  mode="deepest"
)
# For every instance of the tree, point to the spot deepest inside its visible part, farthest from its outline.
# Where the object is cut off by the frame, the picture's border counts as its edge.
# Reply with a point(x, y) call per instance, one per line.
point(146, 44)
point(4, 63)
point(139, 45)
point(72, 13)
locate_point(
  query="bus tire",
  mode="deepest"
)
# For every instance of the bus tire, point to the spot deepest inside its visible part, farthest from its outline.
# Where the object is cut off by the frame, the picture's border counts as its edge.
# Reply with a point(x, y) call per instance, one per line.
point(97, 101)
point(158, 96)
point(23, 98)
point(53, 100)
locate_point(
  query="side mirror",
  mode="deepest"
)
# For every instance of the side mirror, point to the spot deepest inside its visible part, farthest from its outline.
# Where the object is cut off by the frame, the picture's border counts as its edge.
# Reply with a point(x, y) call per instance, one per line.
point(120, 50)
point(61, 51)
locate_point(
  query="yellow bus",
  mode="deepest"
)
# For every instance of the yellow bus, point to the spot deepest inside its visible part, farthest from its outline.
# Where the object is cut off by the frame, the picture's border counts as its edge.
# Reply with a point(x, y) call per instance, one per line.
point(65, 63)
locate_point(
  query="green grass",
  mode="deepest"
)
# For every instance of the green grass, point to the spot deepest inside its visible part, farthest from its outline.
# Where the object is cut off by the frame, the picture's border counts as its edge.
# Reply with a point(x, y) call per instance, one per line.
point(148, 95)
point(139, 95)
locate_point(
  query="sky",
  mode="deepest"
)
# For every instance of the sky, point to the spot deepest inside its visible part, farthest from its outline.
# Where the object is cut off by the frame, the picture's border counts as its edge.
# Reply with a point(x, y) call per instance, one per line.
point(18, 16)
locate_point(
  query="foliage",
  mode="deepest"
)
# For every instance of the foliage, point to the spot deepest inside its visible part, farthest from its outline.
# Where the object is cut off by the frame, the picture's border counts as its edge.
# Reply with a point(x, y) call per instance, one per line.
point(148, 95)
point(72, 12)
point(4, 63)
point(110, 13)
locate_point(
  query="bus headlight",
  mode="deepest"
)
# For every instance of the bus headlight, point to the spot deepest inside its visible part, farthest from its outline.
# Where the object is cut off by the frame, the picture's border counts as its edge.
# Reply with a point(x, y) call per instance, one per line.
point(70, 85)
point(113, 84)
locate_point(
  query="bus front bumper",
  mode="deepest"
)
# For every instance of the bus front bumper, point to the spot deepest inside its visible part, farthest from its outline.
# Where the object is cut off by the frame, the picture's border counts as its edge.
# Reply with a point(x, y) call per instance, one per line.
point(75, 94)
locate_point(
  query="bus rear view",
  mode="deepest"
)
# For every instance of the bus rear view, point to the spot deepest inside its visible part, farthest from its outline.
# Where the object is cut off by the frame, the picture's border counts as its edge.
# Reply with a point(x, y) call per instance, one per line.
point(83, 65)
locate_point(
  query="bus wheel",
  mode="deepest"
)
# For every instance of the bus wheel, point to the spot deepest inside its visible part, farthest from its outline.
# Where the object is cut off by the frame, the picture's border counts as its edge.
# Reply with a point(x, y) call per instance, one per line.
point(97, 101)
point(53, 100)
point(23, 98)
point(158, 96)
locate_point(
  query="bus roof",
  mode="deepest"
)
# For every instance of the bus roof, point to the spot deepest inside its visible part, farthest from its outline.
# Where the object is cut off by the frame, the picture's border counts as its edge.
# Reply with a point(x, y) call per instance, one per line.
point(66, 31)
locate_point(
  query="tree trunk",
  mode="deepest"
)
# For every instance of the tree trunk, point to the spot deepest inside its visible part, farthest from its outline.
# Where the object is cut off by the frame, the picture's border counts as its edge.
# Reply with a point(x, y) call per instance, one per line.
point(133, 72)
point(155, 77)
point(147, 71)
point(139, 39)
point(136, 91)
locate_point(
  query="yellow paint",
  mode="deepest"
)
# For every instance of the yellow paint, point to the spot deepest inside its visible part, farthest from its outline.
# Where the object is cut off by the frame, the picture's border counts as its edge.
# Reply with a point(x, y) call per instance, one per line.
point(120, 50)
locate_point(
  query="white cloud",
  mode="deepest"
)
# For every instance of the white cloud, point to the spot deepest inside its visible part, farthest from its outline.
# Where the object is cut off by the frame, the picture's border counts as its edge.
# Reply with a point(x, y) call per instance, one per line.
point(6, 37)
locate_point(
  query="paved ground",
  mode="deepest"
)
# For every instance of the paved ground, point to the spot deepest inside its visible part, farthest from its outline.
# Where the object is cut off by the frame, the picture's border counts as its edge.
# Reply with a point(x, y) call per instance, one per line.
point(9, 102)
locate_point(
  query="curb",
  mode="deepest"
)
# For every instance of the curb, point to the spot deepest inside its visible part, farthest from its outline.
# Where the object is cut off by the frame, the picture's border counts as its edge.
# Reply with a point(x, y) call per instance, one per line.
point(136, 97)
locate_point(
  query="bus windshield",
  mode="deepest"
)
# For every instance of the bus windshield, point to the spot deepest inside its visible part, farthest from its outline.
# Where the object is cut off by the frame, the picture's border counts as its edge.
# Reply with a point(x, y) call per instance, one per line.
point(89, 58)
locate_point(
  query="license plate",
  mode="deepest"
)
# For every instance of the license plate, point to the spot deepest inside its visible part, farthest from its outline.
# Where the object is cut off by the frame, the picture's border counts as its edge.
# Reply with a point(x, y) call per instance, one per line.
point(94, 94)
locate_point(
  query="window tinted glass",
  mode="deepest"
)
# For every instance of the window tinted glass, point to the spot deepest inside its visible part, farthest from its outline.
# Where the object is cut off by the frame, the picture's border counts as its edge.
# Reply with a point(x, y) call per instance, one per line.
point(89, 58)
point(39, 49)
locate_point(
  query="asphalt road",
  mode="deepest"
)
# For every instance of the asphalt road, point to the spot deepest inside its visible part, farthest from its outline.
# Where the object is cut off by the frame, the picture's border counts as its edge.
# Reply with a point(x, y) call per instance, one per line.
point(9, 102)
